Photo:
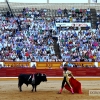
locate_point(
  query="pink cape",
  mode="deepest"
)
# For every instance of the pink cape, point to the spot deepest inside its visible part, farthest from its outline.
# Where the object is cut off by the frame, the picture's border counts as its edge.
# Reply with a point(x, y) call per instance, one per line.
point(75, 84)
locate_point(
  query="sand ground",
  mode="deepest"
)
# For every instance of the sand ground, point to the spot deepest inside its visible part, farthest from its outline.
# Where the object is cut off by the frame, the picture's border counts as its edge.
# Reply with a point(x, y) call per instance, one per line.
point(46, 91)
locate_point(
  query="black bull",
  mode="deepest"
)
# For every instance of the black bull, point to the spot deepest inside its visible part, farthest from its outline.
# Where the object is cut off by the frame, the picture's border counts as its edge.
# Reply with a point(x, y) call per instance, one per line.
point(28, 79)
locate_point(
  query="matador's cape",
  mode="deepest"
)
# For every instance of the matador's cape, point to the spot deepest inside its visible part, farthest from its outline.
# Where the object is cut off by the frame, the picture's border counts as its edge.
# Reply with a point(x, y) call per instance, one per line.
point(75, 84)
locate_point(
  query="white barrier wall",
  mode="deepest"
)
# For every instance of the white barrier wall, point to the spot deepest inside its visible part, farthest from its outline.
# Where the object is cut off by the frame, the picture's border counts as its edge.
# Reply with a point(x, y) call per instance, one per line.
point(68, 1)
point(2, 0)
point(53, 1)
point(45, 1)
point(29, 1)
point(98, 1)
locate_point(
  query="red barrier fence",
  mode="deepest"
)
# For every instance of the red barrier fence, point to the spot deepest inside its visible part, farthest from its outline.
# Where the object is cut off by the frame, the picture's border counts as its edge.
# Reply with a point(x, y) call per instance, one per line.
point(14, 72)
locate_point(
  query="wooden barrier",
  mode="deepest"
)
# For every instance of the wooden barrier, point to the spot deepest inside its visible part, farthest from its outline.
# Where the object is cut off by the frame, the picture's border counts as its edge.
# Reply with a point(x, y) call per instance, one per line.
point(98, 64)
point(14, 72)
point(83, 63)
point(48, 65)
point(16, 64)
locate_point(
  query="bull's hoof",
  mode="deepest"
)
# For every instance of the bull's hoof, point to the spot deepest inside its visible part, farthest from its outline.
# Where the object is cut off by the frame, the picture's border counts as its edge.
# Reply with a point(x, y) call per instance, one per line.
point(31, 90)
point(20, 90)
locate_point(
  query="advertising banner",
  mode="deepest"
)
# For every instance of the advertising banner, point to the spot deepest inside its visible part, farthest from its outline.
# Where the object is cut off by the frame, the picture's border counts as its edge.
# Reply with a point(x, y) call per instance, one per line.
point(73, 24)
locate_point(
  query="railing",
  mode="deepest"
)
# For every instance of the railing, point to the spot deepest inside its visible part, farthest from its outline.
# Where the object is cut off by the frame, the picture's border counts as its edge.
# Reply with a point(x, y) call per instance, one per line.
point(52, 5)
point(57, 5)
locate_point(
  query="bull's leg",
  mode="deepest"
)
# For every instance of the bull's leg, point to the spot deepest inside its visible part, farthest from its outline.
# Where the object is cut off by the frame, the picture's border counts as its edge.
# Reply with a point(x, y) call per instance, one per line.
point(32, 87)
point(20, 87)
point(20, 83)
point(35, 88)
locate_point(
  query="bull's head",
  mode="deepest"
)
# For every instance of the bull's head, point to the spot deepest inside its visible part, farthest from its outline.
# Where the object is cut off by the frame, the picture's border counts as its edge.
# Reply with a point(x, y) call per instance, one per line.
point(43, 77)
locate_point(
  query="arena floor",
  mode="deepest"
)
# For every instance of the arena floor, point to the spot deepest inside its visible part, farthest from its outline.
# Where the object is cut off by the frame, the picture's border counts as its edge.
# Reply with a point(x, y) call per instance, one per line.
point(46, 91)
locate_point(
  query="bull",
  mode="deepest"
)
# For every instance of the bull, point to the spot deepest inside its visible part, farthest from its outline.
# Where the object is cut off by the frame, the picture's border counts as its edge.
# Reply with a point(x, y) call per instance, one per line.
point(32, 79)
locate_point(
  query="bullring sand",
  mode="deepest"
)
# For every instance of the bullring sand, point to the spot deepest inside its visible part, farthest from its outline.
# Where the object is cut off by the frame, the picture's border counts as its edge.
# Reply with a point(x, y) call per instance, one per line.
point(46, 91)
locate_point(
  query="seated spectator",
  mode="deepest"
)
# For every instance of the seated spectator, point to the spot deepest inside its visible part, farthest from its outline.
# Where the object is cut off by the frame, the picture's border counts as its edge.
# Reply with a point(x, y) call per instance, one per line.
point(73, 9)
point(0, 65)
point(88, 11)
point(65, 12)
point(98, 13)
point(70, 65)
point(61, 67)
point(33, 66)
point(77, 11)
point(59, 12)
point(81, 11)
point(87, 27)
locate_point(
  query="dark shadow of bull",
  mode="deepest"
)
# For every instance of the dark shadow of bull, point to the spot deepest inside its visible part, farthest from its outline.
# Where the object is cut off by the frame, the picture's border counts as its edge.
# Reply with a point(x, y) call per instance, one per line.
point(33, 79)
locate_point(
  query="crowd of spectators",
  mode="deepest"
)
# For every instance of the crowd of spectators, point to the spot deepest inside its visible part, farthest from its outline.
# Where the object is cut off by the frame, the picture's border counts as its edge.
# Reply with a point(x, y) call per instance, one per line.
point(74, 15)
point(28, 37)
point(22, 38)
point(80, 45)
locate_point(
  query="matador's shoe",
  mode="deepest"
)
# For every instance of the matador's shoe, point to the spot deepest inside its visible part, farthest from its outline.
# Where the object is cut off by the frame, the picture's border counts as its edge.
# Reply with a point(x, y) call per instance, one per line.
point(72, 91)
point(59, 93)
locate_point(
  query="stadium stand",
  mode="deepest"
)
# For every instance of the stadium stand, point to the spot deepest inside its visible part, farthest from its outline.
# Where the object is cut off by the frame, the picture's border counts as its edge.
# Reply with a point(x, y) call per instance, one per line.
point(32, 33)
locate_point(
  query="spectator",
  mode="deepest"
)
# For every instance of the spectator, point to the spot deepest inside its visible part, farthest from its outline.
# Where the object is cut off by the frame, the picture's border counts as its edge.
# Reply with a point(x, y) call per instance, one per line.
point(59, 12)
point(34, 66)
point(61, 67)
point(65, 12)
point(0, 65)
point(88, 11)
